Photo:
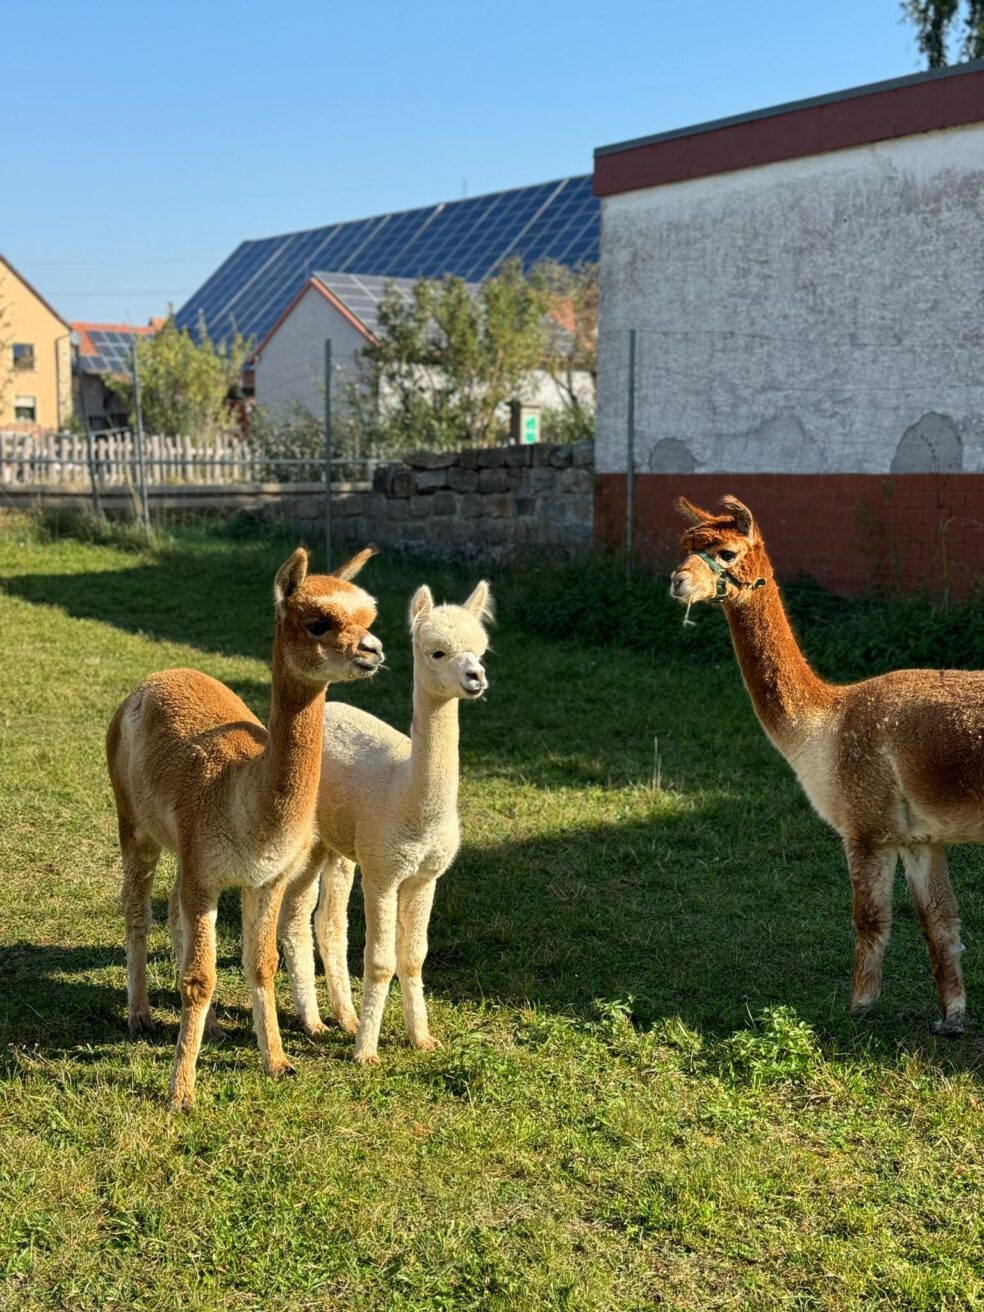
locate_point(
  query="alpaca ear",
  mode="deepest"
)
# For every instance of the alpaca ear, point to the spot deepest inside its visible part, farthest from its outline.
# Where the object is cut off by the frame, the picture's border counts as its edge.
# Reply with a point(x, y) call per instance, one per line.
point(694, 513)
point(352, 567)
point(744, 522)
point(480, 602)
point(290, 576)
point(420, 603)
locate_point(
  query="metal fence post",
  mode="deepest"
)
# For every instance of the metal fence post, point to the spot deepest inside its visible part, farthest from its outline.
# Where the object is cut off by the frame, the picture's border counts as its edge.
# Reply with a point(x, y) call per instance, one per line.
point(139, 435)
point(328, 453)
point(630, 456)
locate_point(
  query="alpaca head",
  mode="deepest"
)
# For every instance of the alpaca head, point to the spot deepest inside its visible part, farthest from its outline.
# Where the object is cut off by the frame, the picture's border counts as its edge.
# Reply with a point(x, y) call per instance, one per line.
point(323, 621)
point(449, 643)
point(725, 559)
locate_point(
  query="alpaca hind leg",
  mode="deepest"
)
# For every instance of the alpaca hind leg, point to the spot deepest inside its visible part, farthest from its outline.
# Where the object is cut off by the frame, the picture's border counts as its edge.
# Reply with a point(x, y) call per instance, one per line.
point(380, 964)
point(298, 944)
point(331, 927)
point(929, 883)
point(261, 907)
point(213, 1032)
point(415, 902)
point(199, 910)
point(872, 875)
point(140, 857)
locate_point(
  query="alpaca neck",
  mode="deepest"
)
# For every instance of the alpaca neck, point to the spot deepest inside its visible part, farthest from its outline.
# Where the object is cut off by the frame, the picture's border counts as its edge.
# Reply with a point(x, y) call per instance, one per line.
point(788, 696)
point(433, 787)
point(292, 760)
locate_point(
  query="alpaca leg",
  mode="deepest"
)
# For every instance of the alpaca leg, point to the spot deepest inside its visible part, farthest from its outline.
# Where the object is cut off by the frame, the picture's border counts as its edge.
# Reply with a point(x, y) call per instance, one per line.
point(140, 857)
point(331, 927)
point(261, 907)
point(298, 944)
point(929, 883)
point(415, 902)
point(872, 875)
point(198, 914)
point(380, 965)
point(213, 1032)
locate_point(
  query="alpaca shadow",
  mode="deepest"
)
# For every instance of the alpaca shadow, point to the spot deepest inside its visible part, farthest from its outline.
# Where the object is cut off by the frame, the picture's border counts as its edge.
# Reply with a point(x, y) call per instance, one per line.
point(640, 911)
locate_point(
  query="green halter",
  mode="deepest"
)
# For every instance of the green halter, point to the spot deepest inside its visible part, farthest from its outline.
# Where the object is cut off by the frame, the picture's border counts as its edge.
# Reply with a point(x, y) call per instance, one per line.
point(724, 575)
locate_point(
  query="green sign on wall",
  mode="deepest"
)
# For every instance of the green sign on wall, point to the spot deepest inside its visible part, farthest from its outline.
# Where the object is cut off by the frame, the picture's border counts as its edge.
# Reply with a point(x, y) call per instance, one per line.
point(531, 428)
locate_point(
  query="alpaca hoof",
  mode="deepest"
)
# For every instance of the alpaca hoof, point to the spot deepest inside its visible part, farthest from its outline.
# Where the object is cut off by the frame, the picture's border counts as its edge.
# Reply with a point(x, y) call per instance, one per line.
point(283, 1070)
point(140, 1023)
point(349, 1023)
point(181, 1102)
point(214, 1033)
point(317, 1030)
point(862, 1010)
point(951, 1028)
point(430, 1044)
point(366, 1059)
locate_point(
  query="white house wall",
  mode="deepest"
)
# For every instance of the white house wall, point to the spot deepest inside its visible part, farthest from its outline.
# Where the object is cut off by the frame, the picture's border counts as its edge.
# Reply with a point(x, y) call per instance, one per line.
point(291, 369)
point(824, 313)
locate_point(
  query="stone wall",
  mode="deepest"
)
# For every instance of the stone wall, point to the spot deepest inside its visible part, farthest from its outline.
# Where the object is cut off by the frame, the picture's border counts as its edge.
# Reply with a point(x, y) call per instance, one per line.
point(476, 504)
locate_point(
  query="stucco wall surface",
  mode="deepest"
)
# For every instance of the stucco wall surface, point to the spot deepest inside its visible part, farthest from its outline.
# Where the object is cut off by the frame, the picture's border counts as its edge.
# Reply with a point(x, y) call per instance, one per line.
point(824, 314)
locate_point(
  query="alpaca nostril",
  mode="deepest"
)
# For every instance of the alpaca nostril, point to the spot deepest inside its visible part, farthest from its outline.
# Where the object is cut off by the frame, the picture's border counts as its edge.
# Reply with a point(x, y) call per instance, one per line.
point(372, 644)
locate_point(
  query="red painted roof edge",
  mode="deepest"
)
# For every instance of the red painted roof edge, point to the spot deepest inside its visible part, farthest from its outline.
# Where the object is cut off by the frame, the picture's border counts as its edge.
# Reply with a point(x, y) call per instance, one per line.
point(890, 110)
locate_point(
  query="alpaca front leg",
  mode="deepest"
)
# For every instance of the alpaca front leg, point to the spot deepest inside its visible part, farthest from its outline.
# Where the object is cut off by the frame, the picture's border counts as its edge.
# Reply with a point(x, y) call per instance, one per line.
point(872, 872)
point(213, 1032)
point(139, 865)
point(331, 927)
point(415, 902)
point(380, 965)
point(261, 907)
point(929, 883)
point(298, 944)
point(199, 910)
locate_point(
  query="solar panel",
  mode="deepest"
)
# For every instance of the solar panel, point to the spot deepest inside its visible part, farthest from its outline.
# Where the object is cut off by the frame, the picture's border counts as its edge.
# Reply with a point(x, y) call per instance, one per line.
point(112, 352)
point(469, 238)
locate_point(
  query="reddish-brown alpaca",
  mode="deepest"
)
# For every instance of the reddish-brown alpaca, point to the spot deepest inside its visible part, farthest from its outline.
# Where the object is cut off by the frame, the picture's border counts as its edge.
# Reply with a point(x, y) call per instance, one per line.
point(193, 770)
point(893, 763)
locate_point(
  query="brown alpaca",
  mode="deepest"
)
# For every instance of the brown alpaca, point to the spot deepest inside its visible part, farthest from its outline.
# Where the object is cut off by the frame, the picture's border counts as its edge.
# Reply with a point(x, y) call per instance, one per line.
point(893, 763)
point(193, 770)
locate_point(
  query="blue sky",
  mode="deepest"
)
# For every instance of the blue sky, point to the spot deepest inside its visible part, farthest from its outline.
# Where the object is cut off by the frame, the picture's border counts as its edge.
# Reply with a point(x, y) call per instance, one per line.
point(148, 140)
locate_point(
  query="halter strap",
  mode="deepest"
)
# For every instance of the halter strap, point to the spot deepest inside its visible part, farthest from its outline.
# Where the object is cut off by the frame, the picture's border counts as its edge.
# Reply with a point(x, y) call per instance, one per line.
point(724, 576)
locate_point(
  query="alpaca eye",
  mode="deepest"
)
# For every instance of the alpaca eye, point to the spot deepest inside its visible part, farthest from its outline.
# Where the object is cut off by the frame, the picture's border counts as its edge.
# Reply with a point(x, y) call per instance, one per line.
point(437, 655)
point(727, 556)
point(318, 627)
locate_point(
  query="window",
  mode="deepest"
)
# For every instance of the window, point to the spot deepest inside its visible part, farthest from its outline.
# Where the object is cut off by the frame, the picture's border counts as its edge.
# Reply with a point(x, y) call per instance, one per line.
point(24, 356)
point(26, 408)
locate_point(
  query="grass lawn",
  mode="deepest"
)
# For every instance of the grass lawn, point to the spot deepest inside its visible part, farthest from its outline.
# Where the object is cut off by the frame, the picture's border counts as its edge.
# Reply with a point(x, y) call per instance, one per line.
point(651, 1092)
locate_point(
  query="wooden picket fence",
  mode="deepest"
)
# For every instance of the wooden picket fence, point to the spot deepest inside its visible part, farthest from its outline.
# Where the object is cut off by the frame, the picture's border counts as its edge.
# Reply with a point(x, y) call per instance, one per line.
point(110, 459)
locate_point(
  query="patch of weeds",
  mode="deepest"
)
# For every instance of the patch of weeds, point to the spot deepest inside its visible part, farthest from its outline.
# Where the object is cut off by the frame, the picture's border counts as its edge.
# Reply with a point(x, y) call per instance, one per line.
point(779, 1048)
point(472, 1067)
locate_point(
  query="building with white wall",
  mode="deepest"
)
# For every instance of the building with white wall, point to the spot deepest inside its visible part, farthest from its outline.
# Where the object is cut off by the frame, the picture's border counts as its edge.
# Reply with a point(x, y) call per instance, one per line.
point(806, 289)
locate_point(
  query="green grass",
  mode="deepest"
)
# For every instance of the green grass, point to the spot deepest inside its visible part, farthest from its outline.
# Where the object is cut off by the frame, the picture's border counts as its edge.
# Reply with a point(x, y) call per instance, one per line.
point(651, 1092)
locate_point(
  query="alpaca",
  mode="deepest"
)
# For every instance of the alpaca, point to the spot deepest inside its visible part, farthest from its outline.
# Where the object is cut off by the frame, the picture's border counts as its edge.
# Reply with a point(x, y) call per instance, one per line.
point(892, 763)
point(388, 804)
point(193, 770)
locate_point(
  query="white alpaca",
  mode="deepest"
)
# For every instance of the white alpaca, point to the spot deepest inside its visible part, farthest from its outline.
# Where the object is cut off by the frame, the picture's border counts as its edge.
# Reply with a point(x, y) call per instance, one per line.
point(388, 804)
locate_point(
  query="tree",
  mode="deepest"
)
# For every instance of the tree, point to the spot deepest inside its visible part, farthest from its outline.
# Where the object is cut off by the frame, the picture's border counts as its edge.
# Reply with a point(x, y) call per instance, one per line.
point(571, 349)
point(446, 357)
point(184, 385)
point(938, 21)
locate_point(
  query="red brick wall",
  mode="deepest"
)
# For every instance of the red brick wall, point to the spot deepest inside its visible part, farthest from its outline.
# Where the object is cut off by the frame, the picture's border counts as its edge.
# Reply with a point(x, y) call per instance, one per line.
point(852, 532)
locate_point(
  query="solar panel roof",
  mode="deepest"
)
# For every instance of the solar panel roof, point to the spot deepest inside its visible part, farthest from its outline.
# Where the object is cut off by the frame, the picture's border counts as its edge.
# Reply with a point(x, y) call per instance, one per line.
point(469, 238)
point(362, 293)
point(107, 350)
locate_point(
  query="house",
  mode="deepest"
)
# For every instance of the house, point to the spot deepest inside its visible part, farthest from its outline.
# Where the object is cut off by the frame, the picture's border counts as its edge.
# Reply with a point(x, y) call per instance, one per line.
point(791, 312)
point(102, 351)
point(343, 308)
point(35, 357)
